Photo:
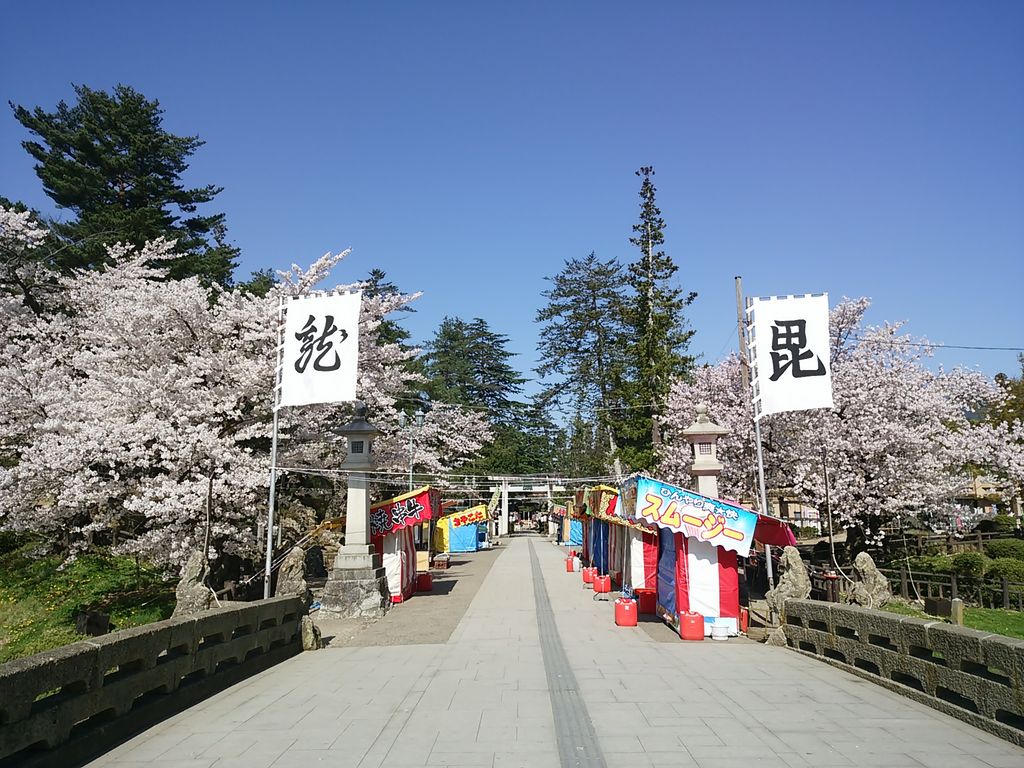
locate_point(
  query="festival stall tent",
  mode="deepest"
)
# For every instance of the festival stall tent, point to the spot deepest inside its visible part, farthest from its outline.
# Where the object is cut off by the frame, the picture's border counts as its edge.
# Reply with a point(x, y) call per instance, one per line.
point(699, 540)
point(461, 531)
point(391, 532)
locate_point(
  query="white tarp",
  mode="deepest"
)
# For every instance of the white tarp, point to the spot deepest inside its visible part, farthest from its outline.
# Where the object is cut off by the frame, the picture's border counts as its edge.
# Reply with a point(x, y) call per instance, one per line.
point(790, 349)
point(321, 349)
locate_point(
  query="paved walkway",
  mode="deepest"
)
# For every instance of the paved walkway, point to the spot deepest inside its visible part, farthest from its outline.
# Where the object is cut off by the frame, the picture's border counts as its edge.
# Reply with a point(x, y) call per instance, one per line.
point(536, 674)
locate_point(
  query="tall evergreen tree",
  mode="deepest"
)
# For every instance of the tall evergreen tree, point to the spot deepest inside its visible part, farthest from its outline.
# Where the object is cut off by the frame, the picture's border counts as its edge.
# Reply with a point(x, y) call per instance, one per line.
point(467, 364)
point(583, 344)
point(389, 331)
point(659, 329)
point(108, 160)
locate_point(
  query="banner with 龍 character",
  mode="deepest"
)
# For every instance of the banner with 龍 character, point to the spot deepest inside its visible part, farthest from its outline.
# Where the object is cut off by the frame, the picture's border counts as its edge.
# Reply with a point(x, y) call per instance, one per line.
point(320, 356)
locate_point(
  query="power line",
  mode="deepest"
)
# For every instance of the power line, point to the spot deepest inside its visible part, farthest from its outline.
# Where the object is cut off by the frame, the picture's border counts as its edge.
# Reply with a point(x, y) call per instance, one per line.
point(934, 345)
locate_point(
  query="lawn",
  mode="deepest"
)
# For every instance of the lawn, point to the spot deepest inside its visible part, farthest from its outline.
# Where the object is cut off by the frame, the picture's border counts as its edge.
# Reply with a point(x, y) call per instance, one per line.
point(994, 620)
point(39, 598)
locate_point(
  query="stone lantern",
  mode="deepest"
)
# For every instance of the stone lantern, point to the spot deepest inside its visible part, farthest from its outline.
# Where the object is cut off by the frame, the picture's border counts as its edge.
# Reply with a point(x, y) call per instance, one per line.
point(357, 585)
point(703, 435)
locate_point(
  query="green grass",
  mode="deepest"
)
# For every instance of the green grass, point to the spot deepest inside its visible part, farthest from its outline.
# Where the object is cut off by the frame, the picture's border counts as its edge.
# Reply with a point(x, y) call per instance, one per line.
point(994, 620)
point(39, 599)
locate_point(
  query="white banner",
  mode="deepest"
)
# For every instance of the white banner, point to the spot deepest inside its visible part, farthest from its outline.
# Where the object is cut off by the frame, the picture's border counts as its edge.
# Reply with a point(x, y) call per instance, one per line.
point(790, 349)
point(321, 349)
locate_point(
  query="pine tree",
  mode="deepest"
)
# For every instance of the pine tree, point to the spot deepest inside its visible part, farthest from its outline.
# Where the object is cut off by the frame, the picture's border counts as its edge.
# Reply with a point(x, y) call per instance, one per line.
point(467, 364)
point(583, 343)
point(659, 330)
point(108, 160)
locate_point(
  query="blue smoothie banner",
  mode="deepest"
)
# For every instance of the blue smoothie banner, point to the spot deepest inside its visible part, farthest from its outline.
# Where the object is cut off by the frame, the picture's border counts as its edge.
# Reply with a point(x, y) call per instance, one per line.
point(701, 517)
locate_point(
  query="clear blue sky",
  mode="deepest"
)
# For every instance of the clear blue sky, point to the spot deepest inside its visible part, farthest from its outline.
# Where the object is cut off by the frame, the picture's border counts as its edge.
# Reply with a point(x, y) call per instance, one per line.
point(863, 149)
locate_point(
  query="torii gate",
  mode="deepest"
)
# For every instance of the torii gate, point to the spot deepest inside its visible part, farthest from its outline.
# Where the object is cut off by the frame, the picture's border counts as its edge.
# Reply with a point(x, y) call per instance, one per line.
point(520, 484)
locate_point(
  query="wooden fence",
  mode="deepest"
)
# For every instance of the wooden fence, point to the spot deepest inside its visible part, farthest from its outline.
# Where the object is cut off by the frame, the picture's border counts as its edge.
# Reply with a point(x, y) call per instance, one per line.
point(830, 586)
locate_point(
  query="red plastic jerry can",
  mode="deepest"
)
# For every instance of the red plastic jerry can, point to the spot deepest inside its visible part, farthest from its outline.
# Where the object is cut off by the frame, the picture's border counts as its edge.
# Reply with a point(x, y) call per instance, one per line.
point(602, 584)
point(568, 564)
point(691, 626)
point(625, 612)
point(744, 619)
point(588, 575)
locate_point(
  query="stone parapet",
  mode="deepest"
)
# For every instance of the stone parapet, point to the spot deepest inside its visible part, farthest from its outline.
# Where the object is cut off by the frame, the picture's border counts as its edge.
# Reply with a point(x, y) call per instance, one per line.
point(975, 676)
point(62, 706)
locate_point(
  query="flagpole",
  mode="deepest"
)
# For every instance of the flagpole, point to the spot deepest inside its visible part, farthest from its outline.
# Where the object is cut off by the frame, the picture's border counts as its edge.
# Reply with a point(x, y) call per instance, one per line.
point(273, 454)
point(741, 325)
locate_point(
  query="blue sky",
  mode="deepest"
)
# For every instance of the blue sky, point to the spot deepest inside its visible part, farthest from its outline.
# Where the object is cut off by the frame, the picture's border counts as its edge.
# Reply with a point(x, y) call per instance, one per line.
point(863, 149)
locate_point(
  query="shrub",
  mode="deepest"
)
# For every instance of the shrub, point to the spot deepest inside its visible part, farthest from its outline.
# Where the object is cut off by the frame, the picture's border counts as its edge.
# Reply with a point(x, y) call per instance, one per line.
point(998, 524)
point(1007, 568)
point(1002, 548)
point(931, 564)
point(969, 564)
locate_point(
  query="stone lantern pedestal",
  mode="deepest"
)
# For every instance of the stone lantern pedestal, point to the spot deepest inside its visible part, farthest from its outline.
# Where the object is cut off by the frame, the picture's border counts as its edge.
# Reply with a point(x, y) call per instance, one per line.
point(357, 586)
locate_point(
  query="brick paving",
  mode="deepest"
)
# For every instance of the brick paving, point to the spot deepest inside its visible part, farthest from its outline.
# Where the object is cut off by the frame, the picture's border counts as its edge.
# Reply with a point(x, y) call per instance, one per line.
point(484, 698)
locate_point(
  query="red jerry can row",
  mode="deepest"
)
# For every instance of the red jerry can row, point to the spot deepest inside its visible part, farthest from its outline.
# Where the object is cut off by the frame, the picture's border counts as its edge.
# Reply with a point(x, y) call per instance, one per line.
point(691, 626)
point(602, 584)
point(625, 612)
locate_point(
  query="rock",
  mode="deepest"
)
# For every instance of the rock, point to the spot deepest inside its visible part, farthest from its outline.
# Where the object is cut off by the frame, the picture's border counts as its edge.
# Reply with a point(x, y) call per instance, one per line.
point(311, 639)
point(777, 637)
point(291, 577)
point(794, 581)
point(192, 595)
point(870, 588)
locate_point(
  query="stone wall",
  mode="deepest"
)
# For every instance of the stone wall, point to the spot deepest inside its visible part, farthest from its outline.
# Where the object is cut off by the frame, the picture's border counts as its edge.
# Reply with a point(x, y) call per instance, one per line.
point(64, 706)
point(974, 676)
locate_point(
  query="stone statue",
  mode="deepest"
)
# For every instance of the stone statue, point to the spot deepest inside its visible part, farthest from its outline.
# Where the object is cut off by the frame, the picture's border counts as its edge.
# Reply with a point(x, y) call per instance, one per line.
point(794, 581)
point(870, 588)
point(192, 595)
point(291, 577)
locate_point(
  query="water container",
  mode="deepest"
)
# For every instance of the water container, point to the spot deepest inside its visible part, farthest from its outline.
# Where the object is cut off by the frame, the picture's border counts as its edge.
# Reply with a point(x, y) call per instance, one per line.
point(625, 612)
point(568, 564)
point(588, 575)
point(719, 632)
point(576, 564)
point(691, 626)
point(602, 584)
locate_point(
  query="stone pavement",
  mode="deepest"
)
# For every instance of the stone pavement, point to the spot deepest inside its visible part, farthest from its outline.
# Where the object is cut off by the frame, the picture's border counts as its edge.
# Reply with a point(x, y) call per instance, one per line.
point(485, 698)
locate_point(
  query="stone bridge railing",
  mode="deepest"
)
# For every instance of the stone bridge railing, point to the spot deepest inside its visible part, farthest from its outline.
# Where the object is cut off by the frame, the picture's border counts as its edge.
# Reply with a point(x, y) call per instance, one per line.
point(974, 676)
point(64, 706)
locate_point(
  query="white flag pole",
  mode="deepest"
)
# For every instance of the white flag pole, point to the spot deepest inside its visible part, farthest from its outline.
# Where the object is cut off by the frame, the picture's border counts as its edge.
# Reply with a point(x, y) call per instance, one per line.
point(273, 451)
point(744, 325)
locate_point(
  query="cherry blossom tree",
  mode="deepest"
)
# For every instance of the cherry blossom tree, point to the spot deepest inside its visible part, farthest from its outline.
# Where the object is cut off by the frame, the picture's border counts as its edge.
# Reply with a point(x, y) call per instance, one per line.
point(143, 403)
point(901, 440)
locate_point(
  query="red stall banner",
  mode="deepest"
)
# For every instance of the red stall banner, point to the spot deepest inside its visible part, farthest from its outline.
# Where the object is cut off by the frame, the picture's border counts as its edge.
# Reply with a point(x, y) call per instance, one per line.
point(410, 508)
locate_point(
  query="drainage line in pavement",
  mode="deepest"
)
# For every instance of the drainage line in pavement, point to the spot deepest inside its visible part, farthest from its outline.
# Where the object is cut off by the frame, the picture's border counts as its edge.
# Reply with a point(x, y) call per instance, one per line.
point(577, 739)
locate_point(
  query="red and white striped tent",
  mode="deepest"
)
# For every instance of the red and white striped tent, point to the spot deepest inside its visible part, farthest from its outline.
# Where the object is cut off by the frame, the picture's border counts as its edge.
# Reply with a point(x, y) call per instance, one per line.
point(699, 540)
point(391, 532)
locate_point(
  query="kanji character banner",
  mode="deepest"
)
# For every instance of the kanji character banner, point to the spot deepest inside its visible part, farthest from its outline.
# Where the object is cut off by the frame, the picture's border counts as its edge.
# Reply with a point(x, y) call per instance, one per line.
point(321, 349)
point(790, 350)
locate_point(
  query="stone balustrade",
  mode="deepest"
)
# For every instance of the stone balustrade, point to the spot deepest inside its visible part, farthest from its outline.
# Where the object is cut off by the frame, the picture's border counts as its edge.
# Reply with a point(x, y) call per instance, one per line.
point(65, 705)
point(975, 676)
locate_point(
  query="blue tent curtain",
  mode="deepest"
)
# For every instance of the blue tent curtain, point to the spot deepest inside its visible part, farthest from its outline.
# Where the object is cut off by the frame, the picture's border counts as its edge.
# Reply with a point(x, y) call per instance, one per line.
point(600, 546)
point(667, 571)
